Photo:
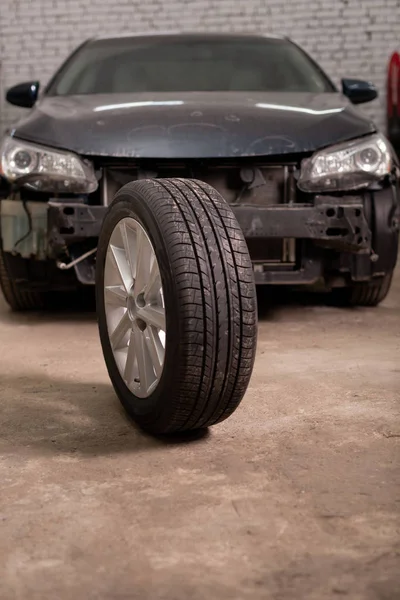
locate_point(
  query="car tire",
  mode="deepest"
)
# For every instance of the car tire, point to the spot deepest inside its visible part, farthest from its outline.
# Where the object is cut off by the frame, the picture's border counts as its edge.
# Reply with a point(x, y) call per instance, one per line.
point(207, 293)
point(18, 298)
point(364, 293)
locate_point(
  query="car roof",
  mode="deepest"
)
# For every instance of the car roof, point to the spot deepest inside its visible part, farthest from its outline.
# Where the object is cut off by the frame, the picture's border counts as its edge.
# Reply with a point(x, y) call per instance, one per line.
point(179, 35)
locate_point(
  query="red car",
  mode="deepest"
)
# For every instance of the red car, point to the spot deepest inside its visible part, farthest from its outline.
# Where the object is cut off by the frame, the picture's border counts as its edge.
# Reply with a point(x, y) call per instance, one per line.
point(393, 101)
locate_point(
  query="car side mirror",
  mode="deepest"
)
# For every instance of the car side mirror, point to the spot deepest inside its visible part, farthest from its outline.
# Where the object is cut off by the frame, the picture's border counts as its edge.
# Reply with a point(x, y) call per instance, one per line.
point(359, 91)
point(23, 94)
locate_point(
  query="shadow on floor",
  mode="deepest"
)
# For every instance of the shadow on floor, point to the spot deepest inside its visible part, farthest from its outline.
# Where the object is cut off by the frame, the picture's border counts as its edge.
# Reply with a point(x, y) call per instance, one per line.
point(53, 415)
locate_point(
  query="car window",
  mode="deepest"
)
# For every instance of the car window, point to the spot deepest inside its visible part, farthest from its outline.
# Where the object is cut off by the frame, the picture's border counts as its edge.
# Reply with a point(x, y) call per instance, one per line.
point(130, 65)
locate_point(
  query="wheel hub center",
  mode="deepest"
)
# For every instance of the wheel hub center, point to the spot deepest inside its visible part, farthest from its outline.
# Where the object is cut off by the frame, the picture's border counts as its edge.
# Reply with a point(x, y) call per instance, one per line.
point(134, 304)
point(132, 308)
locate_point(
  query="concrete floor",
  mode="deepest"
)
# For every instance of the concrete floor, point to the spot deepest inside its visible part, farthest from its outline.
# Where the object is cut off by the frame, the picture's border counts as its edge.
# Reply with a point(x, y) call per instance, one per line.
point(295, 496)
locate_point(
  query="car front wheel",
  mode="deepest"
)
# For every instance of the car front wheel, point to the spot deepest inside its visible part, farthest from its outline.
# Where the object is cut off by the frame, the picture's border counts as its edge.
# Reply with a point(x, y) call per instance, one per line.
point(176, 304)
point(16, 296)
point(363, 293)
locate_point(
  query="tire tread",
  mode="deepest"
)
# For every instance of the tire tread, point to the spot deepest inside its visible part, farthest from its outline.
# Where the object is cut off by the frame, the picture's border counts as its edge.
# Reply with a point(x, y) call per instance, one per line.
point(213, 277)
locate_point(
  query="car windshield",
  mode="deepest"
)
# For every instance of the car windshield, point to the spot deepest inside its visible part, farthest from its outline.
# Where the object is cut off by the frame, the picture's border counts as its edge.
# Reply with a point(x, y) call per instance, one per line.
point(171, 64)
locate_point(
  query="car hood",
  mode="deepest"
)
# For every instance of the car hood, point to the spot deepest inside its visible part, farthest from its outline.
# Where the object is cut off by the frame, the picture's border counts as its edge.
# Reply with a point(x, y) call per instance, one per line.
point(193, 125)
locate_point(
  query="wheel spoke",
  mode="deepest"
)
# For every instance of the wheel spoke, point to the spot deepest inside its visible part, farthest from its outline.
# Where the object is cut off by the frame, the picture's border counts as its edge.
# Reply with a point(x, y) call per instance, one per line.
point(129, 237)
point(134, 306)
point(145, 366)
point(129, 371)
point(122, 267)
point(119, 333)
point(115, 295)
point(153, 286)
point(153, 315)
point(143, 261)
point(155, 348)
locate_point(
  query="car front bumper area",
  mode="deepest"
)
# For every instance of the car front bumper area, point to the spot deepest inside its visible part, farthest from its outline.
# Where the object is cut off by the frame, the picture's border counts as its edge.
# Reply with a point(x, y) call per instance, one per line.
point(348, 237)
point(335, 240)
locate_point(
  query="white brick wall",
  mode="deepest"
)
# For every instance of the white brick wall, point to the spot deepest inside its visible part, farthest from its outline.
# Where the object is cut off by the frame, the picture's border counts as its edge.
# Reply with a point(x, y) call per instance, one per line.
point(347, 37)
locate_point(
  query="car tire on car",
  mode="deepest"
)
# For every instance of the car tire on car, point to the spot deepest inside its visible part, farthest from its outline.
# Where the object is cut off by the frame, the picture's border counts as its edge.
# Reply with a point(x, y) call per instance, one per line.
point(20, 294)
point(176, 304)
point(369, 293)
point(16, 296)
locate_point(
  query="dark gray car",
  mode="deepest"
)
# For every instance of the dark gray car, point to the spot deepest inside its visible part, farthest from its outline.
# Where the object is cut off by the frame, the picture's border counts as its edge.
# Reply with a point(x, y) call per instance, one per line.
point(177, 172)
point(311, 181)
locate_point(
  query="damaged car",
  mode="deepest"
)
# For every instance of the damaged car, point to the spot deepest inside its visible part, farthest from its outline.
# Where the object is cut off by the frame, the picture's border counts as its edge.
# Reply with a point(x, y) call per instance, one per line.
point(140, 146)
point(310, 179)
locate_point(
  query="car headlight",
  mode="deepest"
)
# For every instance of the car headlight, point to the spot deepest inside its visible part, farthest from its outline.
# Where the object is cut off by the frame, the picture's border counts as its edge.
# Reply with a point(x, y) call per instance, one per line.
point(347, 166)
point(45, 169)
